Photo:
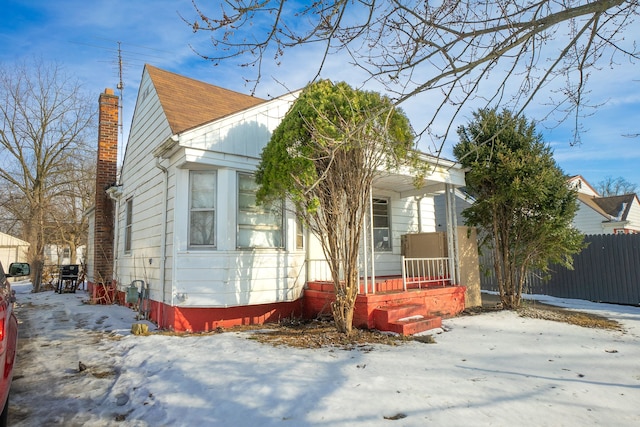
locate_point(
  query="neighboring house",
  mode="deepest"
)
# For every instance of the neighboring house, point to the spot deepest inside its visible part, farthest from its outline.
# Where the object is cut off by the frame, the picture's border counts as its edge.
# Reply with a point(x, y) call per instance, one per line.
point(604, 215)
point(12, 249)
point(186, 221)
point(61, 255)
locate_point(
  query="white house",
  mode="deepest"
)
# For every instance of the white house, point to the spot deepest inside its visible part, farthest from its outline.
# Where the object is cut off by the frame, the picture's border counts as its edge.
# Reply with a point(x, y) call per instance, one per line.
point(186, 222)
point(12, 249)
point(604, 215)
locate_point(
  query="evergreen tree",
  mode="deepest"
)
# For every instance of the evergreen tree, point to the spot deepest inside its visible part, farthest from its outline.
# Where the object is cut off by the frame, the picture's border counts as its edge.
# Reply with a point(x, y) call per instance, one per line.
point(523, 205)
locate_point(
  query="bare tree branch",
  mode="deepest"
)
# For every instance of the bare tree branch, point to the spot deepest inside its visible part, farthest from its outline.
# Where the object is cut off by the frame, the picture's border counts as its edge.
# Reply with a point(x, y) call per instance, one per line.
point(45, 123)
point(456, 51)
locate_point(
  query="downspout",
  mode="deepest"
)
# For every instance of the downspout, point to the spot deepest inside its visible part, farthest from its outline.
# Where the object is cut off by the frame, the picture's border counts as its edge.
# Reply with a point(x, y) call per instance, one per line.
point(163, 237)
point(419, 205)
point(116, 238)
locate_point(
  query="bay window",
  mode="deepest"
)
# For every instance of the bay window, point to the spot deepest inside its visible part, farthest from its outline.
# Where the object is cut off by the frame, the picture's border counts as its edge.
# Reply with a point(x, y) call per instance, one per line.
point(259, 226)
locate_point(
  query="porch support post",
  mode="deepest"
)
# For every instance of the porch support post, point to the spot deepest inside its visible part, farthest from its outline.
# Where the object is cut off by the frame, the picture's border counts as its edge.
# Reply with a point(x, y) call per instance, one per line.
point(452, 234)
point(372, 246)
point(365, 258)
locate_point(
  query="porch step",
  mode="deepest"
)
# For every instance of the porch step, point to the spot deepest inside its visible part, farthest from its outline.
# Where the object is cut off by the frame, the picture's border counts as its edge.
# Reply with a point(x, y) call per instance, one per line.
point(410, 326)
point(382, 316)
point(406, 319)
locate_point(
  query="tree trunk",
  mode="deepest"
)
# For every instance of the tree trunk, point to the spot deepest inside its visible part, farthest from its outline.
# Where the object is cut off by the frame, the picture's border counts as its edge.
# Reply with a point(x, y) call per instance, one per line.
point(342, 308)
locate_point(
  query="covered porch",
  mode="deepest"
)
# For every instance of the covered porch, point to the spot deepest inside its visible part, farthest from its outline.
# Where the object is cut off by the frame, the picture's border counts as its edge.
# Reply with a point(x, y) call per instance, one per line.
point(409, 288)
point(414, 302)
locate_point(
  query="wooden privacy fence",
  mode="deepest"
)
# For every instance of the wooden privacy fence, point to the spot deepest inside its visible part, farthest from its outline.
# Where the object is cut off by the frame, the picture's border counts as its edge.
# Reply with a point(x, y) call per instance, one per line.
point(607, 270)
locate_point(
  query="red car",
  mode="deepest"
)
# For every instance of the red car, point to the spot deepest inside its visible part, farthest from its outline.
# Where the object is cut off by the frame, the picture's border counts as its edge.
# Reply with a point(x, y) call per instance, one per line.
point(8, 333)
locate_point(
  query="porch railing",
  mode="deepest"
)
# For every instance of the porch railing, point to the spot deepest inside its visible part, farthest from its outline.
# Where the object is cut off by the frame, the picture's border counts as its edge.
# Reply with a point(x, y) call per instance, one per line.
point(417, 272)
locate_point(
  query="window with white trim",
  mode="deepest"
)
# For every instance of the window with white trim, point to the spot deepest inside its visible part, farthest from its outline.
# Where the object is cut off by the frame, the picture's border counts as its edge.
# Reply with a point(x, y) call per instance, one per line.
point(299, 234)
point(381, 225)
point(259, 226)
point(202, 208)
point(128, 225)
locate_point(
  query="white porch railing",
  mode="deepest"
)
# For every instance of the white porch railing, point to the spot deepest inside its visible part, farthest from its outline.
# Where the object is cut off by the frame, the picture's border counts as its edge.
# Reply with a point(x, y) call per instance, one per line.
point(416, 272)
point(425, 271)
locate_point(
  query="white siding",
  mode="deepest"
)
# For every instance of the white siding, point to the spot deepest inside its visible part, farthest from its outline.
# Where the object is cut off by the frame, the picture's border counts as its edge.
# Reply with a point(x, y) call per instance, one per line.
point(588, 221)
point(235, 278)
point(241, 135)
point(12, 249)
point(634, 216)
point(142, 181)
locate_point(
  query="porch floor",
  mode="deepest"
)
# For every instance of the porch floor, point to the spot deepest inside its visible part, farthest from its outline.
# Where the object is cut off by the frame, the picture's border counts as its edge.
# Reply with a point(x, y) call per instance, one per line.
point(421, 307)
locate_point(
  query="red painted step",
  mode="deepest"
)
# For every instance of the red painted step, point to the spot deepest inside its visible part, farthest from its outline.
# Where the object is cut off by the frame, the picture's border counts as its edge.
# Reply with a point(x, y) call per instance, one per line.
point(410, 326)
point(406, 319)
point(384, 315)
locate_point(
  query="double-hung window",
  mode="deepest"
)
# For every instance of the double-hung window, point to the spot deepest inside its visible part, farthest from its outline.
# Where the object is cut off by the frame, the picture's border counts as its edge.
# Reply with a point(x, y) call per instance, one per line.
point(381, 225)
point(202, 208)
point(259, 226)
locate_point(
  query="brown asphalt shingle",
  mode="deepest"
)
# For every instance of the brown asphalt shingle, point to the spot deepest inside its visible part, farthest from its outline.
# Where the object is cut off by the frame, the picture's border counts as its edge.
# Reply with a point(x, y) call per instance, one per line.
point(188, 103)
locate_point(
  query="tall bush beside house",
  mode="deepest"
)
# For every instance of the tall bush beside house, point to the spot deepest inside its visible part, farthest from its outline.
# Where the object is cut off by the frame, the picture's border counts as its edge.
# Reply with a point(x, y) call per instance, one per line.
point(523, 204)
point(323, 157)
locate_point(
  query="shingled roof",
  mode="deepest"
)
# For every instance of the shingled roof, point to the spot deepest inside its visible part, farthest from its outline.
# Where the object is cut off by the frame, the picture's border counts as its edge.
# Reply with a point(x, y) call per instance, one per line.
point(188, 103)
point(616, 206)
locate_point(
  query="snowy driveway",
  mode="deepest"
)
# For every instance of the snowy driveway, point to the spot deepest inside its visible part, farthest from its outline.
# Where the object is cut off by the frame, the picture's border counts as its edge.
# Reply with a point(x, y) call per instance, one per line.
point(492, 369)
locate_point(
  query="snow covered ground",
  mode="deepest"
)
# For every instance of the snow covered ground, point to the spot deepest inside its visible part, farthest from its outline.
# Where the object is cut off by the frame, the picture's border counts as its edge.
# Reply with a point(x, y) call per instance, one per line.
point(493, 369)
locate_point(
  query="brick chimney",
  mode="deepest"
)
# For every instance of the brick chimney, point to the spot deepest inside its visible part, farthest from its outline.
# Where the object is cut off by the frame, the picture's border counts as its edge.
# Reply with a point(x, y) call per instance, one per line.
point(105, 177)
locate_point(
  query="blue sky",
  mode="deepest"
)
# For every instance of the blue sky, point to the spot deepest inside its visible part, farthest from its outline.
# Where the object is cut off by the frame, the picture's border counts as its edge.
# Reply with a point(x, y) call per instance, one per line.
point(83, 36)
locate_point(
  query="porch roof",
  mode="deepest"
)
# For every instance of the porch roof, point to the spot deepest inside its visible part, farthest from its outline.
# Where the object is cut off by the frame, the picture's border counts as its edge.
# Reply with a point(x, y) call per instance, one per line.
point(440, 173)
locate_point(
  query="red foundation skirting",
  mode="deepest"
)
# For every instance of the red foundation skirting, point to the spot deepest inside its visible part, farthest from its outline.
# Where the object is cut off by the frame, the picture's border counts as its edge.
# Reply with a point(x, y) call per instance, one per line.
point(442, 301)
point(445, 301)
point(208, 319)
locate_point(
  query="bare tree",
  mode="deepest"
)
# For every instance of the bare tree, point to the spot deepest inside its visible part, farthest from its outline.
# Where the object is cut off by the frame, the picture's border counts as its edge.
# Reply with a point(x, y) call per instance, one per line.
point(615, 187)
point(68, 225)
point(45, 121)
point(489, 52)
